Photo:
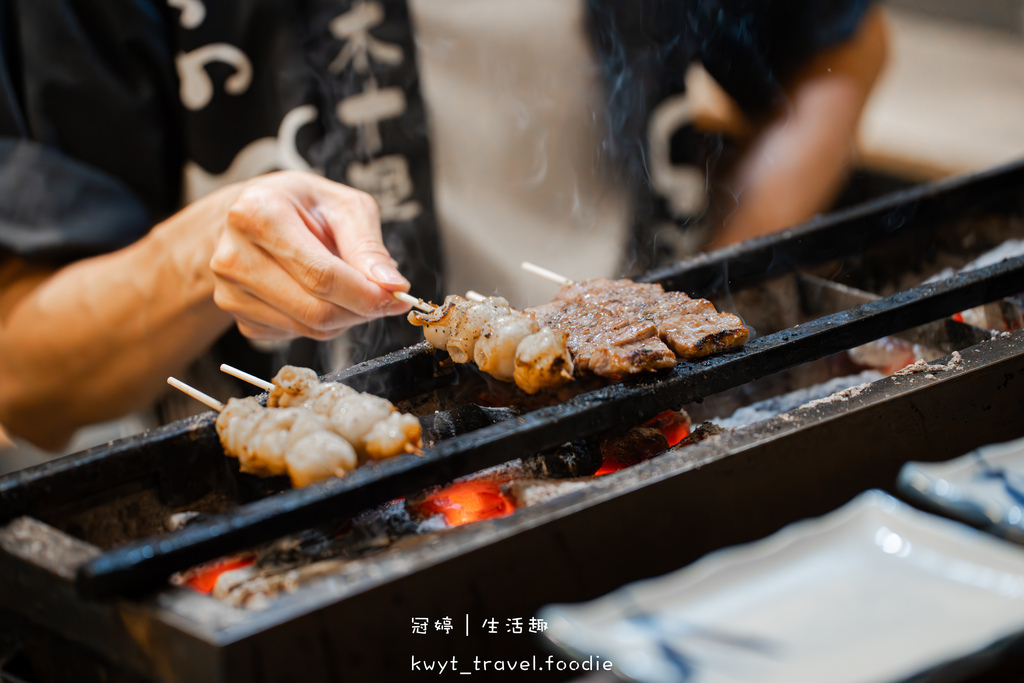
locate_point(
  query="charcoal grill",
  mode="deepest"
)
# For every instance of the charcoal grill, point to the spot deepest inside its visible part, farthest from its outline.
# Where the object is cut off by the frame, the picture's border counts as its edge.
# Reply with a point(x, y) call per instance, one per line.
point(83, 566)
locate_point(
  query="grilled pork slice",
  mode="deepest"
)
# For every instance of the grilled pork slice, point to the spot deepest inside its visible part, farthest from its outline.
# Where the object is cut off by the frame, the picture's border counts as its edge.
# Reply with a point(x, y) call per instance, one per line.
point(603, 340)
point(694, 329)
point(620, 327)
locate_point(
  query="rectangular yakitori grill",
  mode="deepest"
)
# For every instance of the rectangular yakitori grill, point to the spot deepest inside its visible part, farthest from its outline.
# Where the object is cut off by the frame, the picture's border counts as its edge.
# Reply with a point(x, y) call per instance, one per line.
point(85, 562)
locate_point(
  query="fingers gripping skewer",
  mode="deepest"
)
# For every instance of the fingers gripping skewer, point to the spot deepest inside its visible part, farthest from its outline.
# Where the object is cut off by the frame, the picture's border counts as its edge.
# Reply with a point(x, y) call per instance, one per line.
point(205, 399)
point(246, 377)
point(413, 301)
point(546, 274)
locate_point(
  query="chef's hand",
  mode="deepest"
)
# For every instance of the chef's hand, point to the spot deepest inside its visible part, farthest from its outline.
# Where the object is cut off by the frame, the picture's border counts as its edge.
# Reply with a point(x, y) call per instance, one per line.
point(301, 255)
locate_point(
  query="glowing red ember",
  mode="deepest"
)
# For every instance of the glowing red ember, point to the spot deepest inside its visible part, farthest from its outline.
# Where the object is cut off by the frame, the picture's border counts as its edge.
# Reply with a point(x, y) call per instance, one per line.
point(610, 466)
point(644, 442)
point(204, 580)
point(469, 501)
point(675, 425)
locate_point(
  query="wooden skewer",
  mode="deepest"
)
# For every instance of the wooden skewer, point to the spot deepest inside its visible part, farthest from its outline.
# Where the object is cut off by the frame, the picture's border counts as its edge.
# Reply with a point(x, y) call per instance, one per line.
point(546, 274)
point(246, 377)
point(474, 295)
point(414, 302)
point(205, 399)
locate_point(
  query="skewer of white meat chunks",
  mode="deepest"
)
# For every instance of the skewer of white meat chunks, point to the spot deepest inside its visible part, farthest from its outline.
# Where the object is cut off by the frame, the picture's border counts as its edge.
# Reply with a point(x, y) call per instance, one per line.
point(270, 442)
point(373, 425)
point(508, 345)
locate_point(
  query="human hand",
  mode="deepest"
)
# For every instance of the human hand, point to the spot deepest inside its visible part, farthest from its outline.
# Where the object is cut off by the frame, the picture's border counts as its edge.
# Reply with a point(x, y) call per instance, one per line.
point(301, 255)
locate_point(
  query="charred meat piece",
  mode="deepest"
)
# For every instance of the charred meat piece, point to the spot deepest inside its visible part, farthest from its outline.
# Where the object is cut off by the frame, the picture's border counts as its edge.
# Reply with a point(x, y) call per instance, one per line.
point(604, 341)
point(619, 327)
point(693, 328)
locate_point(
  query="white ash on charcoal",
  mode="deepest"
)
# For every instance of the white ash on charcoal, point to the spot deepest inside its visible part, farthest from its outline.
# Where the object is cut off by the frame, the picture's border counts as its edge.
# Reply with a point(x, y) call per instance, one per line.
point(955, 361)
point(702, 432)
point(839, 396)
point(784, 403)
point(528, 492)
point(889, 354)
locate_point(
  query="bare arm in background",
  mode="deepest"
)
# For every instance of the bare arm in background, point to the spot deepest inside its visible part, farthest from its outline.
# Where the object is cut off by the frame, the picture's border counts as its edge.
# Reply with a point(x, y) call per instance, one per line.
point(283, 255)
point(798, 160)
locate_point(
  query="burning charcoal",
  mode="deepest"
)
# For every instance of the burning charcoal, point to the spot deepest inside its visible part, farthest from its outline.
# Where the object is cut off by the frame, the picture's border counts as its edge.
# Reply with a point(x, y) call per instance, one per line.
point(372, 530)
point(637, 445)
point(574, 459)
point(444, 424)
point(463, 502)
point(644, 441)
point(203, 578)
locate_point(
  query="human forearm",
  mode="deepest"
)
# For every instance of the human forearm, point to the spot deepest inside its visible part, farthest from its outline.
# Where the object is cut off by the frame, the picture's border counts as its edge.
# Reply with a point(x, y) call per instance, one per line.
point(97, 339)
point(283, 255)
point(798, 161)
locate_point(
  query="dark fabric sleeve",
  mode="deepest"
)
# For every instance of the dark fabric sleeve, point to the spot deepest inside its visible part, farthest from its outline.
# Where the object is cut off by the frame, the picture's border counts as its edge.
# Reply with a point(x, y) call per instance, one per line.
point(752, 47)
point(90, 156)
point(54, 209)
point(749, 46)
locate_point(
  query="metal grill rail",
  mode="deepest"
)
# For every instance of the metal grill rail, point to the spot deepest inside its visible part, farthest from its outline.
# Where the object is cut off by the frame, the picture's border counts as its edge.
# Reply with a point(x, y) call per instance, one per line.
point(146, 564)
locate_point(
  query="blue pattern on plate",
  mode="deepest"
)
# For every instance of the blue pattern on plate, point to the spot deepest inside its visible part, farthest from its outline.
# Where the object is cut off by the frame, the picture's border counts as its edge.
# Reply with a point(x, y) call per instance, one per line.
point(874, 591)
point(984, 487)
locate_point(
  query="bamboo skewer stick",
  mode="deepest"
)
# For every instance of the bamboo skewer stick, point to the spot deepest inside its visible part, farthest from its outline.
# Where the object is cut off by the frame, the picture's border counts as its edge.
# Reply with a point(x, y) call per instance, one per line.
point(546, 274)
point(246, 377)
point(414, 302)
point(205, 399)
point(474, 295)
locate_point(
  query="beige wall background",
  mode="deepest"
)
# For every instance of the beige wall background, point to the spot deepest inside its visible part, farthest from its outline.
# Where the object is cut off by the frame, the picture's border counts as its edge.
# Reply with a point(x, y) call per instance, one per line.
point(952, 98)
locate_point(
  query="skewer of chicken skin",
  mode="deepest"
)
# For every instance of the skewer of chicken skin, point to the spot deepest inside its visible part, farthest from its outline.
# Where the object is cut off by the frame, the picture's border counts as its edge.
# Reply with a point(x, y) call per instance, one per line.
point(508, 345)
point(270, 442)
point(373, 425)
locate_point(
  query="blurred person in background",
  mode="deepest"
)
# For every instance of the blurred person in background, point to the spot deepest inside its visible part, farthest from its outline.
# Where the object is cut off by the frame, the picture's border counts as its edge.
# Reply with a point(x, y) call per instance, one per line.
point(138, 230)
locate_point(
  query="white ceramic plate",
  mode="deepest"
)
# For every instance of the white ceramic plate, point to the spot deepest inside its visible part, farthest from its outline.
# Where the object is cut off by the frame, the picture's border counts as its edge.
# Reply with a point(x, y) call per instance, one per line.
point(874, 591)
point(985, 487)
